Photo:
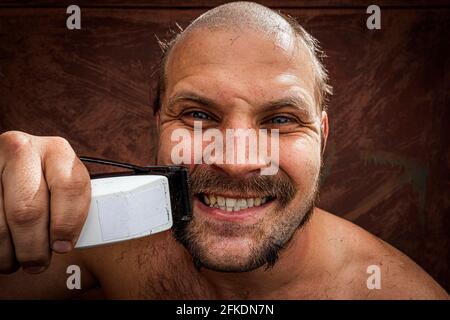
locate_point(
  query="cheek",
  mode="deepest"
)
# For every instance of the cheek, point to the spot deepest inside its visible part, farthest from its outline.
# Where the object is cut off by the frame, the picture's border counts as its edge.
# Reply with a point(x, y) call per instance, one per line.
point(167, 146)
point(300, 159)
point(168, 140)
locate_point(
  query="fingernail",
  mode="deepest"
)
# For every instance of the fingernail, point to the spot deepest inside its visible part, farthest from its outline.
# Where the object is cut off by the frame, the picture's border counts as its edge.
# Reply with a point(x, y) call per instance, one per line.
point(62, 246)
point(32, 267)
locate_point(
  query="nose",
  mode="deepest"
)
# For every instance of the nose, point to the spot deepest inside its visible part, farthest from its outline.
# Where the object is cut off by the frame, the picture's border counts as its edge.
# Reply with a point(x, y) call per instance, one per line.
point(244, 149)
point(244, 152)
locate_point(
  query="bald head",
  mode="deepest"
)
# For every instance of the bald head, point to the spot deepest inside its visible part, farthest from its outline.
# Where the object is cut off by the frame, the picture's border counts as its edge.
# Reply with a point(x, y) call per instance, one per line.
point(241, 17)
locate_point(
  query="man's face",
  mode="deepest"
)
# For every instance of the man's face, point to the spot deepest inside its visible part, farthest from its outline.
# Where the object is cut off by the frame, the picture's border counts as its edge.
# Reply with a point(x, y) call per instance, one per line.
point(230, 81)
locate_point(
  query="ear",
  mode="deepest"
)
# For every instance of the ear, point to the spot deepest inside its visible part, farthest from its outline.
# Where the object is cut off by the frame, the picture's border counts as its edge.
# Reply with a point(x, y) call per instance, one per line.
point(324, 130)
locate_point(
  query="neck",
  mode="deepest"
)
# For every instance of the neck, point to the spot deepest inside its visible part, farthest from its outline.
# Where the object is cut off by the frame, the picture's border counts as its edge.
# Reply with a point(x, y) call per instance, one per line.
point(294, 266)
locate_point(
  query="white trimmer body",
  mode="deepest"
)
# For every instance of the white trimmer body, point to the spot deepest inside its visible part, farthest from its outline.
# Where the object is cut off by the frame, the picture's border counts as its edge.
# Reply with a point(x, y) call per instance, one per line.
point(126, 207)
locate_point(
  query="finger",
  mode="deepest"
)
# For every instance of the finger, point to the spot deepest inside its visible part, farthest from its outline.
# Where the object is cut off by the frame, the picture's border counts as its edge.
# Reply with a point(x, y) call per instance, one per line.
point(8, 262)
point(26, 206)
point(69, 184)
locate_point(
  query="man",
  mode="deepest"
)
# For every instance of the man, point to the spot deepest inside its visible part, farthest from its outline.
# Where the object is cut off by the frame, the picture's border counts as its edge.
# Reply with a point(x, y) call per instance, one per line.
point(238, 66)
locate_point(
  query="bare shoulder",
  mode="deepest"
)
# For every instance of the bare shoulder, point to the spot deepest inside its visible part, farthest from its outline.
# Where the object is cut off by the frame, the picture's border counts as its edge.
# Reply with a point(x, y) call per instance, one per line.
point(373, 269)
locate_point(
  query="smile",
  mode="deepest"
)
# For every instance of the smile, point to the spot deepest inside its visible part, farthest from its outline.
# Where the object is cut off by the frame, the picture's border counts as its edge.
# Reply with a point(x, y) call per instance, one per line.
point(232, 204)
point(232, 207)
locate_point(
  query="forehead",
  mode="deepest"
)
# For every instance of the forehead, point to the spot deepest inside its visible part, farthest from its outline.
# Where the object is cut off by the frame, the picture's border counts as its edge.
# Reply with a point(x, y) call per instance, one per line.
point(251, 65)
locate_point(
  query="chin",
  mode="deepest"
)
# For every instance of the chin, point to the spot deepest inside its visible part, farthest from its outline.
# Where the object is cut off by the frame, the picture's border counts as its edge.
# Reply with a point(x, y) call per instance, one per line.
point(227, 254)
point(245, 239)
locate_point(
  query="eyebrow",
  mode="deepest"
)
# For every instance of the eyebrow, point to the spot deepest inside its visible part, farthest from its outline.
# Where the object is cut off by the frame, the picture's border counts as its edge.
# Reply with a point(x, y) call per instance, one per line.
point(295, 101)
point(191, 97)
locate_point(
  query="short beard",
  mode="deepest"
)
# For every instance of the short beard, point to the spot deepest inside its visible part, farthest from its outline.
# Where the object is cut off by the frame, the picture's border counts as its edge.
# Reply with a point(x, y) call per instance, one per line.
point(263, 256)
point(267, 252)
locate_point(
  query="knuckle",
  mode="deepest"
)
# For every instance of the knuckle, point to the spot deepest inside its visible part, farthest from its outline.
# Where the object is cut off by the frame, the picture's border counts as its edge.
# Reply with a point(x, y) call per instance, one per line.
point(14, 142)
point(83, 171)
point(60, 143)
point(58, 147)
point(24, 215)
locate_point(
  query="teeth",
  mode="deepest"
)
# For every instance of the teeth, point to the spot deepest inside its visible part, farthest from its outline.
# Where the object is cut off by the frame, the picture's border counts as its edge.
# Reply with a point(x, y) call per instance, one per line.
point(220, 201)
point(232, 204)
point(242, 203)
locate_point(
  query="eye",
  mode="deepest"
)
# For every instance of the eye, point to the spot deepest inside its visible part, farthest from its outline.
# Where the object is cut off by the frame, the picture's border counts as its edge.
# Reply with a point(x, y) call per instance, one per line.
point(280, 120)
point(199, 115)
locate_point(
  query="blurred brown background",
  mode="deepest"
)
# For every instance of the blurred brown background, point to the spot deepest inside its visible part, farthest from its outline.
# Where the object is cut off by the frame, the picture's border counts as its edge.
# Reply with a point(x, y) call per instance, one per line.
point(387, 160)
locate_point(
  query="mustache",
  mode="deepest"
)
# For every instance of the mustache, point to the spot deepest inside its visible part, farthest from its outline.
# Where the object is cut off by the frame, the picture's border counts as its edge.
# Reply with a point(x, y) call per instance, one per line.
point(205, 179)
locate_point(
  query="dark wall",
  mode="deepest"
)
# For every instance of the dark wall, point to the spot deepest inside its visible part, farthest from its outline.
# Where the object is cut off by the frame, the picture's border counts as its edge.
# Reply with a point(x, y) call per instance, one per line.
point(387, 160)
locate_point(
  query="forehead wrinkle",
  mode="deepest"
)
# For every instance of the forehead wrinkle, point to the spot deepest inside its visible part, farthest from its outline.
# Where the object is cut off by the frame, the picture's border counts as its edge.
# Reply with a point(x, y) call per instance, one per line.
point(292, 85)
point(286, 69)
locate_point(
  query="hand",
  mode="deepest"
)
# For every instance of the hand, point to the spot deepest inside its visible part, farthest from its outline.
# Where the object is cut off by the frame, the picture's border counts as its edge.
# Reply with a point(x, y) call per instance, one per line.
point(44, 200)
